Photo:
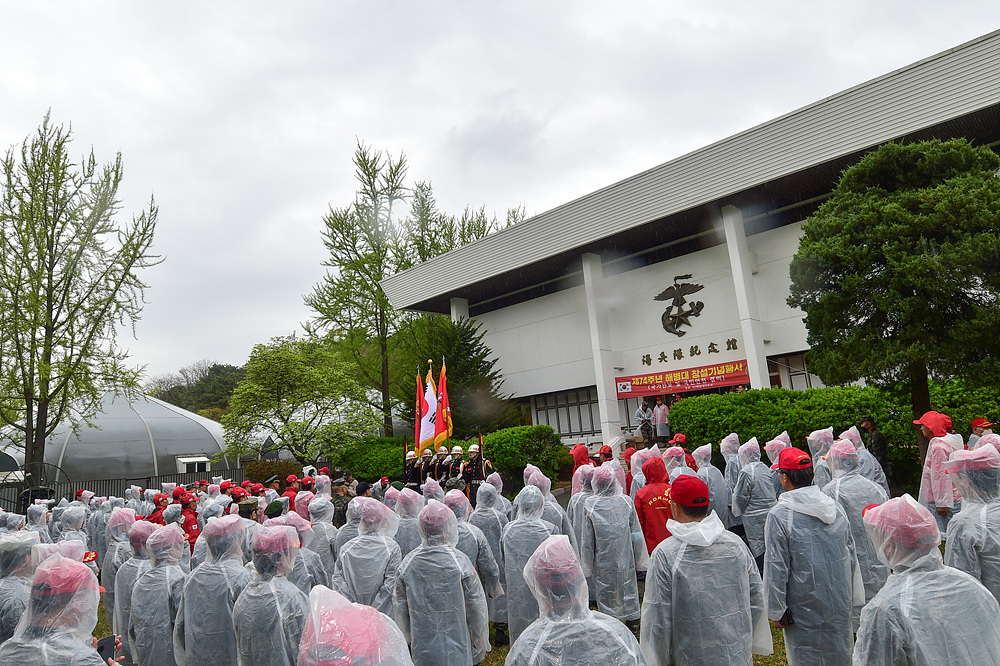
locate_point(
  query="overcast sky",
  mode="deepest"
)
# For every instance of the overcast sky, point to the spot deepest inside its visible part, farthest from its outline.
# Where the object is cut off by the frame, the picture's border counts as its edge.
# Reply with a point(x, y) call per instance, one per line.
point(242, 117)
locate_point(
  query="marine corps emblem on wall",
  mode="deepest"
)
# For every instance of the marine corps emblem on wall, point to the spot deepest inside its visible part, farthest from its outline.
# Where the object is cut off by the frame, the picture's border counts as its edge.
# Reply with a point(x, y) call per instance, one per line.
point(676, 315)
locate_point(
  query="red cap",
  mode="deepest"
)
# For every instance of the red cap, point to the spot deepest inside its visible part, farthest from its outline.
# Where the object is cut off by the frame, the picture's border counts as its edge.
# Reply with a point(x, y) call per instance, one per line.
point(325, 471)
point(679, 438)
point(606, 450)
point(246, 484)
point(905, 521)
point(61, 575)
point(689, 490)
point(985, 457)
point(257, 487)
point(186, 498)
point(793, 458)
point(981, 423)
point(160, 497)
point(385, 480)
point(291, 478)
point(178, 491)
point(225, 485)
point(79, 492)
point(203, 482)
point(307, 480)
point(937, 422)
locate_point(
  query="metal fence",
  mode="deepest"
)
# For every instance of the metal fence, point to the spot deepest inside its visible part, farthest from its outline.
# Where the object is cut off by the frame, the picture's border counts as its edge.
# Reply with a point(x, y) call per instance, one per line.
point(10, 496)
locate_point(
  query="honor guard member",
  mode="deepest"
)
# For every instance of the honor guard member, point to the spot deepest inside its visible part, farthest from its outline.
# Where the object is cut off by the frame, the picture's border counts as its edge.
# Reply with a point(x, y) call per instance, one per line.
point(426, 465)
point(441, 462)
point(475, 471)
point(455, 467)
point(411, 471)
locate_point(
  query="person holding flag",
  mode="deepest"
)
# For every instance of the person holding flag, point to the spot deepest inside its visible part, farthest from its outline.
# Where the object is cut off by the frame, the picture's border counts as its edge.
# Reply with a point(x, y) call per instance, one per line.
point(475, 470)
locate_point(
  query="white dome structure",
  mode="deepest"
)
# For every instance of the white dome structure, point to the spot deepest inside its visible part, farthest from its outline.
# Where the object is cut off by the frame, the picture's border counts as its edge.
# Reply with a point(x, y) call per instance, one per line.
point(136, 438)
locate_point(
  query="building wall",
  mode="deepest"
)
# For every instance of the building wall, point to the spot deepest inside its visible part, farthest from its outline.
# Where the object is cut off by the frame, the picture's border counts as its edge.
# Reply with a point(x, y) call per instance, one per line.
point(543, 345)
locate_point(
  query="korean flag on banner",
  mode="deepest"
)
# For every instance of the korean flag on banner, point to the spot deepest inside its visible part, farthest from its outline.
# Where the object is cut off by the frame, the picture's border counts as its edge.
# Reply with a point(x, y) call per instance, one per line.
point(624, 387)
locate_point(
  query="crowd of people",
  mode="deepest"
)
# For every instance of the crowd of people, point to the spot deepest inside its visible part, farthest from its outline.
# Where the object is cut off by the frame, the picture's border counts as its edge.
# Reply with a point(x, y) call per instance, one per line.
point(659, 558)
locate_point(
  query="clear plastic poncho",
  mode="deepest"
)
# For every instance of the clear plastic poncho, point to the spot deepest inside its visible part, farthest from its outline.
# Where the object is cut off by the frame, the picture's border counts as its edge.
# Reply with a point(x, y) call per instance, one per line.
point(118, 553)
point(473, 543)
point(408, 508)
point(156, 598)
point(810, 569)
point(72, 520)
point(350, 528)
point(819, 442)
point(36, 522)
point(432, 490)
point(973, 538)
point(773, 449)
point(307, 570)
point(440, 604)
point(718, 491)
point(552, 511)
point(324, 542)
point(271, 612)
point(490, 518)
point(128, 574)
point(200, 553)
point(869, 467)
point(704, 600)
point(174, 515)
point(936, 488)
point(302, 500)
point(753, 495)
point(574, 510)
point(324, 486)
point(926, 613)
point(366, 568)
point(55, 522)
point(507, 506)
point(338, 632)
point(62, 613)
point(731, 445)
point(16, 572)
point(518, 541)
point(854, 492)
point(567, 632)
point(613, 548)
point(204, 630)
point(97, 525)
point(390, 496)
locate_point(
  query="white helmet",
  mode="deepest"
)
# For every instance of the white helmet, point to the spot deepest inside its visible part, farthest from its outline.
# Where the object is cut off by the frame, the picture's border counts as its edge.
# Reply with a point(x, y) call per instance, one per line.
point(410, 455)
point(443, 450)
point(457, 450)
point(474, 448)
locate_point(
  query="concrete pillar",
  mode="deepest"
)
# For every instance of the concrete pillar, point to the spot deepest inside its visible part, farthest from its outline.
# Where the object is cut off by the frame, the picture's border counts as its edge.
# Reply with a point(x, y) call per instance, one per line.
point(600, 344)
point(742, 263)
point(459, 309)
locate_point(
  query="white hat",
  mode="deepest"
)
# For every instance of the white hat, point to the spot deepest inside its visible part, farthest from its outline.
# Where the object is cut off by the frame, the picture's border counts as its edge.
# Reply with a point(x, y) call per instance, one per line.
point(442, 449)
point(474, 447)
point(456, 449)
point(410, 455)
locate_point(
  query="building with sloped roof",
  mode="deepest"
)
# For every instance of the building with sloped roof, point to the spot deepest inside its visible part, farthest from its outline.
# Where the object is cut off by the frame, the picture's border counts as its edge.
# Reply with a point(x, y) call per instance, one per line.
point(675, 280)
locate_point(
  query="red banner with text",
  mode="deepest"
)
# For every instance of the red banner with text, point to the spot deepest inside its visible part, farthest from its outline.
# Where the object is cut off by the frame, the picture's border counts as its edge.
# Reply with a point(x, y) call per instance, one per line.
point(703, 377)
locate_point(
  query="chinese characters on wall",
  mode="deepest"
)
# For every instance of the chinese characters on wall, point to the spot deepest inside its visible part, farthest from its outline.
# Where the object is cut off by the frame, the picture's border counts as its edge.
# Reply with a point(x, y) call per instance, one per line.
point(678, 354)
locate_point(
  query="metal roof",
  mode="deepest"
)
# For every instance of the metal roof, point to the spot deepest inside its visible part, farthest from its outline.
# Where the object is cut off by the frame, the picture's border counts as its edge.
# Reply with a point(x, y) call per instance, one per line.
point(833, 132)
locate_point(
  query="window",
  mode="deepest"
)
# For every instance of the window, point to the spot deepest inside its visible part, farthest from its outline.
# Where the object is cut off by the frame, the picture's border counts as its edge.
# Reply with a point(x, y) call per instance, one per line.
point(791, 372)
point(570, 413)
point(192, 464)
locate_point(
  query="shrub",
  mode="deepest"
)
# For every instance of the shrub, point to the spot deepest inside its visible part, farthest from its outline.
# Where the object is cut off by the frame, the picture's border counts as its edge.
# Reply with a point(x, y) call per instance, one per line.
point(764, 414)
point(371, 458)
point(511, 449)
point(259, 471)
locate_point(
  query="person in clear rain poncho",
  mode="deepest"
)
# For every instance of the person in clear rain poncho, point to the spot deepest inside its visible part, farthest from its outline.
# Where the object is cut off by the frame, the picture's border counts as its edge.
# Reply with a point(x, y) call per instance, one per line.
point(200, 553)
point(119, 552)
point(72, 520)
point(973, 537)
point(567, 632)
point(128, 574)
point(704, 600)
point(551, 510)
point(36, 521)
point(390, 496)
point(174, 515)
point(712, 476)
point(868, 466)
point(926, 613)
point(341, 633)
point(408, 508)
point(811, 575)
point(582, 489)
point(613, 548)
point(489, 517)
point(773, 449)
point(676, 463)
point(16, 571)
point(204, 630)
point(730, 447)
point(432, 490)
point(819, 442)
point(367, 565)
point(473, 543)
point(350, 528)
point(324, 542)
point(57, 628)
point(307, 570)
point(937, 492)
point(156, 598)
point(55, 523)
point(854, 492)
point(97, 525)
point(517, 542)
point(271, 612)
point(505, 504)
point(753, 497)
point(440, 604)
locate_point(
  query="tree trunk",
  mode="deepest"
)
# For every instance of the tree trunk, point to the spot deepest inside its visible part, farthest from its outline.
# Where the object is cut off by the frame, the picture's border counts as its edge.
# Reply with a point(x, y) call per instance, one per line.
point(920, 400)
point(384, 349)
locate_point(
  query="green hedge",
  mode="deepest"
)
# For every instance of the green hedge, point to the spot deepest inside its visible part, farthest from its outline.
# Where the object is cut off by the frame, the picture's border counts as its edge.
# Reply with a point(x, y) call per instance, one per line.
point(511, 449)
point(371, 458)
point(766, 413)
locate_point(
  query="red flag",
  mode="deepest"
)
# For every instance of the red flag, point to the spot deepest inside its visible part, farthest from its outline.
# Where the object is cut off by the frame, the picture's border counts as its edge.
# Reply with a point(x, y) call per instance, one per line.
point(443, 427)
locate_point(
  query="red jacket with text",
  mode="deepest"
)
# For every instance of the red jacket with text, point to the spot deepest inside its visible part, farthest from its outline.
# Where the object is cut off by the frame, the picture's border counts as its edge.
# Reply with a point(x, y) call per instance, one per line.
point(652, 503)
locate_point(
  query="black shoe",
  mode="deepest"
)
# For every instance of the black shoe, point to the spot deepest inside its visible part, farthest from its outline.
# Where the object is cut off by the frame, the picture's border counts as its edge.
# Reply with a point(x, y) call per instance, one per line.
point(501, 635)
